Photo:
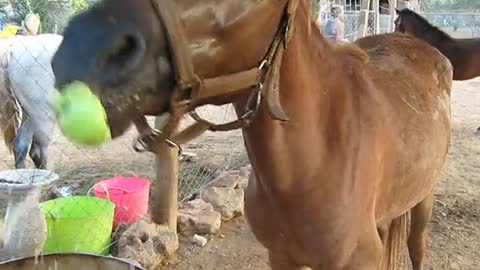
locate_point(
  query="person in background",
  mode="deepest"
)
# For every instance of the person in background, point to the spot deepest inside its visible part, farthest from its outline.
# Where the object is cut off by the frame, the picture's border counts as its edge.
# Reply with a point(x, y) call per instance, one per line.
point(31, 24)
point(334, 28)
point(9, 29)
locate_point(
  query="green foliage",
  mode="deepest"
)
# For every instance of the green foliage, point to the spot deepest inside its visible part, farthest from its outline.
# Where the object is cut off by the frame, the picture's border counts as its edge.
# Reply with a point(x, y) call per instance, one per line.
point(315, 8)
point(54, 14)
point(79, 6)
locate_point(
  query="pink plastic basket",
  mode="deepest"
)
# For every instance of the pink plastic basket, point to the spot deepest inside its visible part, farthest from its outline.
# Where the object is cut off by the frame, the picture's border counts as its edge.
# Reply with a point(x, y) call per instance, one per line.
point(129, 194)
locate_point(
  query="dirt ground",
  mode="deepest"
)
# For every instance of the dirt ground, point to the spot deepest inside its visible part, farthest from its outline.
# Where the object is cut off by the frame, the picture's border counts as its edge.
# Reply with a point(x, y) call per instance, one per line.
point(454, 241)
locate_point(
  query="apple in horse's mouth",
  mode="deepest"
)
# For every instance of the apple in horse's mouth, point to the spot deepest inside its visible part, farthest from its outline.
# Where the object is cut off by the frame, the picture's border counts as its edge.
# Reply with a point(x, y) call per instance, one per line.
point(81, 115)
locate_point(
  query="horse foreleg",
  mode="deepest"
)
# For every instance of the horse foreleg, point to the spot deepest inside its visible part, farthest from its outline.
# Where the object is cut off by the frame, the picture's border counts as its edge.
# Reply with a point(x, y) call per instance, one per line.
point(22, 143)
point(417, 246)
point(38, 153)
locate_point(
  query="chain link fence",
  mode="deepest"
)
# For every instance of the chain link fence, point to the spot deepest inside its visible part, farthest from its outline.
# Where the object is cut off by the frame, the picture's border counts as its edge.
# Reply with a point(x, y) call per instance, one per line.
point(352, 23)
point(459, 25)
point(80, 168)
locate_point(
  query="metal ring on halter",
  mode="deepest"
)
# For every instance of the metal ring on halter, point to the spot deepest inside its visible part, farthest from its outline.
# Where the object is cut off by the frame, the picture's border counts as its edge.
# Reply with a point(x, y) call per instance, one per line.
point(172, 143)
point(140, 145)
point(262, 64)
point(249, 111)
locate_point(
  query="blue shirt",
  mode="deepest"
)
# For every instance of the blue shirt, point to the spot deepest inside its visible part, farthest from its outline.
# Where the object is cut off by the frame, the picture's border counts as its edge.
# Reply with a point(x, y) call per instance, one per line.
point(330, 29)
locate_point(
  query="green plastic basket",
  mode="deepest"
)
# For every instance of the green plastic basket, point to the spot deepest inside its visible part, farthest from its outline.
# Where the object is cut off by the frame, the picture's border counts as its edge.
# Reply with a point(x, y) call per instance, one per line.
point(78, 224)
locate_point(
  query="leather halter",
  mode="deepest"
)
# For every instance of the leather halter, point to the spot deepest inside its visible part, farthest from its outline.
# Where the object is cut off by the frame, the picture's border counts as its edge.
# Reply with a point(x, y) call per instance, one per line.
point(263, 80)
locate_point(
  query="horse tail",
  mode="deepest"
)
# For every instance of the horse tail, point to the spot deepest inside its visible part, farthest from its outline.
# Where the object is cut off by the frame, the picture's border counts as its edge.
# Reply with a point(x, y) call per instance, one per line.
point(10, 109)
point(396, 240)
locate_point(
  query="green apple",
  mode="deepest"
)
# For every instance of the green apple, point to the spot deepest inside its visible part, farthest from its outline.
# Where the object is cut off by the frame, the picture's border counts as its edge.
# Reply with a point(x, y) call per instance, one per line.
point(81, 115)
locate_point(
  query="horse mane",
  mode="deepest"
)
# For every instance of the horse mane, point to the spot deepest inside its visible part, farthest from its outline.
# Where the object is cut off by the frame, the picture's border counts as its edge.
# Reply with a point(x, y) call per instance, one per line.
point(306, 7)
point(424, 26)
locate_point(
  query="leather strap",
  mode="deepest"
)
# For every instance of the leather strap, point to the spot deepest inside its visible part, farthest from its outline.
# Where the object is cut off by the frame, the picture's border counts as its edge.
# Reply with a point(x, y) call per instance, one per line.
point(186, 78)
point(189, 85)
point(180, 53)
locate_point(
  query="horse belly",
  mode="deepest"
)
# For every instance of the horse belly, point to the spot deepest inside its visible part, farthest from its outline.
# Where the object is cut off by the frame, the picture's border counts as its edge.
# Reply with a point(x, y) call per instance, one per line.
point(416, 150)
point(417, 90)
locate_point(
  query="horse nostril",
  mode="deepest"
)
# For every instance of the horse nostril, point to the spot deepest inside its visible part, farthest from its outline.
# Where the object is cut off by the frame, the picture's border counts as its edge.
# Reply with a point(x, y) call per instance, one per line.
point(122, 57)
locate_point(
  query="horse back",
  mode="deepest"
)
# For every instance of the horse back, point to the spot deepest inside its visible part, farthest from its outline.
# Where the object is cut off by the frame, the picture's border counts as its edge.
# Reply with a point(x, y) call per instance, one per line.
point(414, 80)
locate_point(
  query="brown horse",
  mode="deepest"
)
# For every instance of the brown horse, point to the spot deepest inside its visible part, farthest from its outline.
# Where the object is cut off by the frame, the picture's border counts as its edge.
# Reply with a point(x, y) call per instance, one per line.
point(347, 140)
point(464, 54)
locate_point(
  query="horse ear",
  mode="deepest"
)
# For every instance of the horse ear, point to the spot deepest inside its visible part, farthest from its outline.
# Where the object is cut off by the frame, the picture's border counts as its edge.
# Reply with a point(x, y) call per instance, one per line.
point(397, 10)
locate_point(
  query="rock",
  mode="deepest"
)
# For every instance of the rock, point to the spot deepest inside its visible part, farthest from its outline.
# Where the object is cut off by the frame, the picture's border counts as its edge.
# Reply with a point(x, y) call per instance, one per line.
point(146, 243)
point(454, 266)
point(166, 243)
point(197, 216)
point(228, 202)
point(199, 240)
point(61, 191)
point(243, 183)
point(144, 252)
point(121, 228)
point(229, 180)
point(245, 171)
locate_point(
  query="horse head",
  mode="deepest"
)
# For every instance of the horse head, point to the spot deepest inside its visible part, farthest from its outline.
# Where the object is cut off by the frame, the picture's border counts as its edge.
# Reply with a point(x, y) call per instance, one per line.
point(143, 62)
point(400, 23)
point(408, 21)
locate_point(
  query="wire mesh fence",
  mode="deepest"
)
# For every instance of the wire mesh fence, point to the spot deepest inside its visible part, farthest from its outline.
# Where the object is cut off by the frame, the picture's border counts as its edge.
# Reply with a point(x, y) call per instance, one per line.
point(352, 23)
point(460, 25)
point(65, 216)
point(25, 81)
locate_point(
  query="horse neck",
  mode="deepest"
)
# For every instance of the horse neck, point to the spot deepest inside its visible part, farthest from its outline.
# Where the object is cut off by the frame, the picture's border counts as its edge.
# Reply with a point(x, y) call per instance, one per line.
point(314, 101)
point(430, 34)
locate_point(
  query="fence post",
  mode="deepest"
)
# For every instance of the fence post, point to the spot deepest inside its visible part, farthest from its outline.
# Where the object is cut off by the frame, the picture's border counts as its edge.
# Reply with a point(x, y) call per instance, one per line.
point(364, 12)
point(164, 190)
point(393, 7)
point(376, 16)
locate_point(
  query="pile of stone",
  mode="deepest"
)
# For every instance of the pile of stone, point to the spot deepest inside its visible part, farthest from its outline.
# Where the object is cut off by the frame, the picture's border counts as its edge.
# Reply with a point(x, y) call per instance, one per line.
point(222, 200)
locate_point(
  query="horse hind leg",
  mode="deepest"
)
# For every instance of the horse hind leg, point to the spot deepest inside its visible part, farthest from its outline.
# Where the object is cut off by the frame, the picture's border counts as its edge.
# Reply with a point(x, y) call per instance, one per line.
point(22, 143)
point(417, 246)
point(38, 153)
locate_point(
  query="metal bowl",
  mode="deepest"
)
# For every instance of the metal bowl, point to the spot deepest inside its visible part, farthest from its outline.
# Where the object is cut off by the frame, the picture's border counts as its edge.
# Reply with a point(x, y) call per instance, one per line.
point(21, 179)
point(70, 261)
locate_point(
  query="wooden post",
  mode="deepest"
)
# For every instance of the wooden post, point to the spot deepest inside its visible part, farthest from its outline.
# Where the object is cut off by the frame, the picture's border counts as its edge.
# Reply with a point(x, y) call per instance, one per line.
point(393, 13)
point(364, 12)
point(376, 16)
point(164, 190)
